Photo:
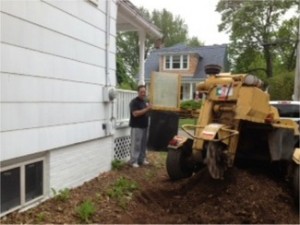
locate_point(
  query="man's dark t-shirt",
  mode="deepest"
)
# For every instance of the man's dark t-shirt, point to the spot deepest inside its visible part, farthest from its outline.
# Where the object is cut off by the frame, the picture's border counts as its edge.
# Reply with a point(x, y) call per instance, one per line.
point(139, 121)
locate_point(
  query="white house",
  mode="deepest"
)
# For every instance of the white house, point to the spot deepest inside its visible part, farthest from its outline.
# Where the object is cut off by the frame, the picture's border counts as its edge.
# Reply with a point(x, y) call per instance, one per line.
point(58, 72)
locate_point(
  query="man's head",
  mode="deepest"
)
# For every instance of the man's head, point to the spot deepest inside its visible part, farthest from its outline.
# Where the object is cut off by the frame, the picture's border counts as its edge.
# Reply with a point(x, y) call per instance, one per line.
point(141, 91)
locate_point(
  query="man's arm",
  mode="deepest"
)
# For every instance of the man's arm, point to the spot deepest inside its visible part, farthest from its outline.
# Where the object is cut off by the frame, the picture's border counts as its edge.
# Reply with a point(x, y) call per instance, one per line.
point(141, 112)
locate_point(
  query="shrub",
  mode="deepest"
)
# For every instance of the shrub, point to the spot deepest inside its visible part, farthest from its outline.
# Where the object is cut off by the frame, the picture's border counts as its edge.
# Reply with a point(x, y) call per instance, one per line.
point(117, 164)
point(281, 86)
point(85, 211)
point(190, 105)
point(40, 217)
point(61, 195)
point(122, 190)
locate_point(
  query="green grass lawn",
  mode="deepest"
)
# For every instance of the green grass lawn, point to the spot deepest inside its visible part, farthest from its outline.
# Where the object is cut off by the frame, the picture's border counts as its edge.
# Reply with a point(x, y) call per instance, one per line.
point(187, 121)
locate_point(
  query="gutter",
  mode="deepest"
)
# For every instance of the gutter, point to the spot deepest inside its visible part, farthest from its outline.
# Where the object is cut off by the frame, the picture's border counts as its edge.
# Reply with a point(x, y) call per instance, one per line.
point(134, 13)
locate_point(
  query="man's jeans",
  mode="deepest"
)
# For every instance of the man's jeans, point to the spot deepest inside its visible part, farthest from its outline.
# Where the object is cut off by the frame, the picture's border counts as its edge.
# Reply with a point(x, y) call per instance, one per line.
point(138, 145)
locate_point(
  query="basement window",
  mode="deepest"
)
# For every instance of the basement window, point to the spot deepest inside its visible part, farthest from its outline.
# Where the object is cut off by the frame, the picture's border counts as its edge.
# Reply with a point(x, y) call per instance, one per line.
point(33, 180)
point(10, 189)
point(21, 184)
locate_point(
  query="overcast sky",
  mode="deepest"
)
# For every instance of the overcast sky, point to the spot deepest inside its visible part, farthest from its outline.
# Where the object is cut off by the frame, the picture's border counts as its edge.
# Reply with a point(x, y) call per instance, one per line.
point(200, 17)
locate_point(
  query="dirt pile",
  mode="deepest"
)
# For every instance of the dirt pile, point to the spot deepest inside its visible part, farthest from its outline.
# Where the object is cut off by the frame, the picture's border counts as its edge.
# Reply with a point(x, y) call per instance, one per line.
point(245, 195)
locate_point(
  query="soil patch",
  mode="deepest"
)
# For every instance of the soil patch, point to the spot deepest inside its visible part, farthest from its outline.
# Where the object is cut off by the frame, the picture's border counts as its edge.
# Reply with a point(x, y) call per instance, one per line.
point(246, 195)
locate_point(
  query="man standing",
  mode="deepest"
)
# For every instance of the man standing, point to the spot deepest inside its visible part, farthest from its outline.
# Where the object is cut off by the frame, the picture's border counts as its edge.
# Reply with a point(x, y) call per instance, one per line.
point(139, 121)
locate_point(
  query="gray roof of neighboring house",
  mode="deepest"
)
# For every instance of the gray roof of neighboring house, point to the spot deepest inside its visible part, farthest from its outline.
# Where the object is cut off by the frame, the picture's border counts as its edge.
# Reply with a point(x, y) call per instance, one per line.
point(214, 54)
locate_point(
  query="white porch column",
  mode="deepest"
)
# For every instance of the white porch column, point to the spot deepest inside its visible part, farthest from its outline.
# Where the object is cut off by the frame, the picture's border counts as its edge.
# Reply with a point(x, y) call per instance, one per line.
point(191, 91)
point(142, 36)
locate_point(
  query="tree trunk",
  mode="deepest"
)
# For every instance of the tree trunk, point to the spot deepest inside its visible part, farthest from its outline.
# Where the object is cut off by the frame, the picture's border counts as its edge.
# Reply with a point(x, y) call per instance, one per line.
point(268, 58)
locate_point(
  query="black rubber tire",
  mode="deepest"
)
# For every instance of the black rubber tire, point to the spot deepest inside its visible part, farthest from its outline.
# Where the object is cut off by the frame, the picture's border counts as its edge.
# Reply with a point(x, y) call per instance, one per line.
point(296, 184)
point(217, 168)
point(177, 166)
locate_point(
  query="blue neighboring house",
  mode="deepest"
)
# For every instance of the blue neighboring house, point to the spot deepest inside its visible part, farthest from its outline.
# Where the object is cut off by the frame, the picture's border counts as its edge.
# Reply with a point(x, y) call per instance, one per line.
point(189, 62)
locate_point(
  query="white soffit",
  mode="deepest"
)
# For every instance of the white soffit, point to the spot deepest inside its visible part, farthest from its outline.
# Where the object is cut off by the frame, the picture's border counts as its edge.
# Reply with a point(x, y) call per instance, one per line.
point(130, 19)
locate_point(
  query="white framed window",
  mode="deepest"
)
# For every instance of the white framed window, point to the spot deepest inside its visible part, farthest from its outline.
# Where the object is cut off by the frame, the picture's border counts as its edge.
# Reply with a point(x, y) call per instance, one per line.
point(22, 184)
point(176, 62)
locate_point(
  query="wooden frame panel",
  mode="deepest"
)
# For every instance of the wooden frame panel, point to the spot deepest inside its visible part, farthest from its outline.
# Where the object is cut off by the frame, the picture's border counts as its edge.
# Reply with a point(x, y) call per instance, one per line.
point(165, 91)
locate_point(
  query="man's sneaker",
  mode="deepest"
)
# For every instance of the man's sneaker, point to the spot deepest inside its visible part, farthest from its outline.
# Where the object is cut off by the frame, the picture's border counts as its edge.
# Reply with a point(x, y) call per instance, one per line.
point(135, 165)
point(146, 162)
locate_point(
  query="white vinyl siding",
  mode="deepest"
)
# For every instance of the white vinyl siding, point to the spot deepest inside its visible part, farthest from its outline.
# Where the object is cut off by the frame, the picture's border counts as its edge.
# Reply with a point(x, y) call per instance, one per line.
point(61, 22)
point(94, 1)
point(45, 114)
point(53, 71)
point(41, 139)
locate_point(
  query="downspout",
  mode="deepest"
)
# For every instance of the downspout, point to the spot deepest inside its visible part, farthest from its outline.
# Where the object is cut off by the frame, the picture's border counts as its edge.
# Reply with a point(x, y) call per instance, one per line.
point(107, 43)
point(109, 91)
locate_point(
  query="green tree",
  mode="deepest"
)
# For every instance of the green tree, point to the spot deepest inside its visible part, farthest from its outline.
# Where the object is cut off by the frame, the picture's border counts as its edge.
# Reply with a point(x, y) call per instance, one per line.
point(281, 86)
point(194, 42)
point(121, 70)
point(128, 51)
point(173, 28)
point(287, 44)
point(251, 61)
point(255, 28)
point(124, 81)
